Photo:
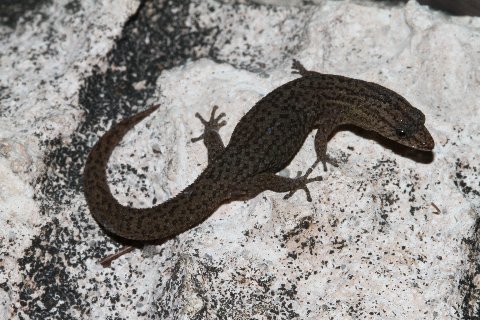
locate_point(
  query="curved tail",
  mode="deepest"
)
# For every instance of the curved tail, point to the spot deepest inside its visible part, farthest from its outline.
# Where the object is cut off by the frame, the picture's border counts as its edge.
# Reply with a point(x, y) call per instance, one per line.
point(178, 214)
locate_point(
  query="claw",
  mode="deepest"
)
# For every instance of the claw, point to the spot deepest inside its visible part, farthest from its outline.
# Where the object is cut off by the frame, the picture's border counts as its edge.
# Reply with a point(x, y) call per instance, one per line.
point(203, 121)
point(221, 115)
point(214, 109)
point(200, 137)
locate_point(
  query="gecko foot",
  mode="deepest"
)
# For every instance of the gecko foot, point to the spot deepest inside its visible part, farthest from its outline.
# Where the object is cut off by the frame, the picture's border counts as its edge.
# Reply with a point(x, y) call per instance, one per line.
point(324, 160)
point(302, 184)
point(213, 124)
point(298, 68)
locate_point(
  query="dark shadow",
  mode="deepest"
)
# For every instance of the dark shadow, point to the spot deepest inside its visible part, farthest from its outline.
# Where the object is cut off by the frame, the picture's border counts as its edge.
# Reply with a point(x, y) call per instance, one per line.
point(425, 157)
point(452, 7)
point(455, 7)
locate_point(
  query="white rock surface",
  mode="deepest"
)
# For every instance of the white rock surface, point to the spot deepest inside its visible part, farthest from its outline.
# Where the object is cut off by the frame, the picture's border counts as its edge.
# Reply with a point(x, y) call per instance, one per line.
point(43, 63)
point(370, 245)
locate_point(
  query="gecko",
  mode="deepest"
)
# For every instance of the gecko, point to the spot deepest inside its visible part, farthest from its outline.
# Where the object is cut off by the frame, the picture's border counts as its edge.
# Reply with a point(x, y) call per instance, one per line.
point(264, 142)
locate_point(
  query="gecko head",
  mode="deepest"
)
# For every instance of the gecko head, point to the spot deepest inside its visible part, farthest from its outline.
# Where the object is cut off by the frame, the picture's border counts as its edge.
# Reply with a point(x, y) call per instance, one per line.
point(392, 116)
point(405, 124)
point(413, 135)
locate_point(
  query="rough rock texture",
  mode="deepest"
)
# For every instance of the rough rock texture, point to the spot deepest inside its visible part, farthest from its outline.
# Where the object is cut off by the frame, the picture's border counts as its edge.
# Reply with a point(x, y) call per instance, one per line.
point(390, 234)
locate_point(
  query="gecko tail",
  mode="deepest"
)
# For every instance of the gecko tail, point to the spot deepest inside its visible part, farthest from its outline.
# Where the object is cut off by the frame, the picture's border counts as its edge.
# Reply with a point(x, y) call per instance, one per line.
point(102, 204)
point(174, 216)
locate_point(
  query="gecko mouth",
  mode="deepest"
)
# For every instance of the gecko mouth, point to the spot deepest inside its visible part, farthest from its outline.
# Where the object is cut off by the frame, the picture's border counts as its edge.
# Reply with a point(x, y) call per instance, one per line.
point(421, 140)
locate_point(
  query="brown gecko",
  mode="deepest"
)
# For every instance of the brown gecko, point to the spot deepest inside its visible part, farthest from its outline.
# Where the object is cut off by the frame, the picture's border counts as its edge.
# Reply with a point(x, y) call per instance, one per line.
point(264, 142)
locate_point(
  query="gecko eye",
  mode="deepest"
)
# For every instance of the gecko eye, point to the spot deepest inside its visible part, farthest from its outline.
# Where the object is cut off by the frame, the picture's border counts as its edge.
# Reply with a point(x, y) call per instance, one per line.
point(401, 133)
point(405, 130)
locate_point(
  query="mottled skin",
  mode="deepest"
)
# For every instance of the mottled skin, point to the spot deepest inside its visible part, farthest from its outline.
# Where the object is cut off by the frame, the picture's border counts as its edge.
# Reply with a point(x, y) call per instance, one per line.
point(264, 142)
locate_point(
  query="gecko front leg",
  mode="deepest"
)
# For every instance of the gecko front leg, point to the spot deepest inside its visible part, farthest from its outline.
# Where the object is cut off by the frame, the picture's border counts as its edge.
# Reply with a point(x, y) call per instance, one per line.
point(210, 136)
point(321, 139)
point(325, 127)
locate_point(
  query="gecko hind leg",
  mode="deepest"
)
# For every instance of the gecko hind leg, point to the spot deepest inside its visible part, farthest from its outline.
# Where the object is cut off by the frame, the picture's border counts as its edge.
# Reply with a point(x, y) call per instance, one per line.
point(298, 68)
point(210, 136)
point(269, 181)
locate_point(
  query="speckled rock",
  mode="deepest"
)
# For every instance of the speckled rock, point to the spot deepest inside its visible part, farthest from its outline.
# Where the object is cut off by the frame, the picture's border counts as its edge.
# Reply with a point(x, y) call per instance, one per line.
point(390, 234)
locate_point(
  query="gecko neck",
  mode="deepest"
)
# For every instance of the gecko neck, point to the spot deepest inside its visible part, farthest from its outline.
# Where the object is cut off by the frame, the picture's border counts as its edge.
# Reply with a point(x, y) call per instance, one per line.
point(340, 100)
